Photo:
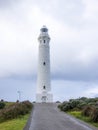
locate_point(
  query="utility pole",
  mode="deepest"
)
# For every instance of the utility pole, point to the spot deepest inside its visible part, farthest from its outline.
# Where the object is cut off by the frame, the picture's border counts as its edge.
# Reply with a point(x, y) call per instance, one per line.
point(19, 92)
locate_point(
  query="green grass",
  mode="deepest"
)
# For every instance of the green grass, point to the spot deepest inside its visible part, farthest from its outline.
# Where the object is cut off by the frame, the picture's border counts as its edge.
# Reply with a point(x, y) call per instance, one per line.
point(78, 115)
point(15, 124)
point(9, 103)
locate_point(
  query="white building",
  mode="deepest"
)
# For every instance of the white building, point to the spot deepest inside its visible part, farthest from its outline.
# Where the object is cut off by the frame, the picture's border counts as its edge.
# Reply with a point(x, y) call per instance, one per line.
point(43, 82)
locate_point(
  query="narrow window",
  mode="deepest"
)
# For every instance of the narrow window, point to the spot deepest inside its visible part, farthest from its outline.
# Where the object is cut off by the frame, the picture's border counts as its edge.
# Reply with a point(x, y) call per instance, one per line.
point(44, 63)
point(44, 41)
point(44, 87)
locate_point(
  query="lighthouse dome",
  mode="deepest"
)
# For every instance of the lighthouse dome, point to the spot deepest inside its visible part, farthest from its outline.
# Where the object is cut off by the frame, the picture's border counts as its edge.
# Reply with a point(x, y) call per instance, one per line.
point(44, 29)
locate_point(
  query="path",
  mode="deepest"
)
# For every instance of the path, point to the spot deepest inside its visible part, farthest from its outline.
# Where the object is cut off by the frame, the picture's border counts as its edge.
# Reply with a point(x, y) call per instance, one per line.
point(48, 117)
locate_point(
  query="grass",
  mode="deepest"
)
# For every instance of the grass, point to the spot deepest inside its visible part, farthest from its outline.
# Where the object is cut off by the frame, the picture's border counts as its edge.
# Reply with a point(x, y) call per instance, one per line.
point(9, 103)
point(15, 124)
point(78, 115)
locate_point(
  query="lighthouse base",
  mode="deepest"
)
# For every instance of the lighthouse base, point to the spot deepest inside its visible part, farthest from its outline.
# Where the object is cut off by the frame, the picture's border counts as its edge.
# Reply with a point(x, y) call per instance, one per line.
point(44, 97)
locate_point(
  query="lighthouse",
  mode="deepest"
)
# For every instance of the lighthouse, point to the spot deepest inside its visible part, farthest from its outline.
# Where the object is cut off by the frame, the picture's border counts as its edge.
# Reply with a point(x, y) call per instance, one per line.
point(43, 93)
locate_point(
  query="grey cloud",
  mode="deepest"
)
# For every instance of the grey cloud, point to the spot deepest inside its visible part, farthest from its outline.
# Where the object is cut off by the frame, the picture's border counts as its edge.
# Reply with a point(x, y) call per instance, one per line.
point(8, 3)
point(73, 53)
point(9, 88)
point(65, 89)
point(68, 12)
point(61, 89)
point(73, 28)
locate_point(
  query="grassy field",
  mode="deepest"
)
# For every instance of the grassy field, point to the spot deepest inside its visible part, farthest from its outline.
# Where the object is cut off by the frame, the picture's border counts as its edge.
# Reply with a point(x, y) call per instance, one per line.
point(9, 103)
point(78, 115)
point(15, 124)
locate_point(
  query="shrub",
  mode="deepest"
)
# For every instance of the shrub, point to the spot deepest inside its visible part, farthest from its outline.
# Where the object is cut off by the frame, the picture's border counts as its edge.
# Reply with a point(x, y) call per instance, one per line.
point(15, 110)
point(60, 107)
point(74, 103)
point(88, 106)
point(87, 111)
point(2, 105)
point(94, 115)
point(58, 102)
point(17, 101)
point(65, 106)
point(27, 104)
point(2, 100)
point(79, 104)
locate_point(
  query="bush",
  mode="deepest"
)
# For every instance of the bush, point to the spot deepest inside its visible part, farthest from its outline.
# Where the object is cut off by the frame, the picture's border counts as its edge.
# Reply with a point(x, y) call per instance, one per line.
point(87, 111)
point(58, 102)
point(2, 105)
point(81, 105)
point(73, 104)
point(88, 106)
point(15, 110)
point(92, 112)
point(65, 106)
point(2, 100)
point(94, 115)
point(78, 104)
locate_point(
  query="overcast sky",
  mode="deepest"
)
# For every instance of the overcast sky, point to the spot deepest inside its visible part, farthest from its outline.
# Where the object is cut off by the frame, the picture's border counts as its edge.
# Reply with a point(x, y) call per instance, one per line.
point(73, 28)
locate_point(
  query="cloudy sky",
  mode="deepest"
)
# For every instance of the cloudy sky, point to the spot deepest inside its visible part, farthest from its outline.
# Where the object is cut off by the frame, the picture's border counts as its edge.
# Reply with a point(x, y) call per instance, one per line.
point(73, 28)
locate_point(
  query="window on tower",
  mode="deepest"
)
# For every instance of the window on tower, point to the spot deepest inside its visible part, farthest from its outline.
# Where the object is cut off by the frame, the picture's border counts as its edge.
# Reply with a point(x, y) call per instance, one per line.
point(44, 41)
point(44, 63)
point(44, 87)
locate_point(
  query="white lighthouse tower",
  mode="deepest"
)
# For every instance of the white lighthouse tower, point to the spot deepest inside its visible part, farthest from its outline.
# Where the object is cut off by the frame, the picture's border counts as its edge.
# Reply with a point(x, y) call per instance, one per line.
point(43, 82)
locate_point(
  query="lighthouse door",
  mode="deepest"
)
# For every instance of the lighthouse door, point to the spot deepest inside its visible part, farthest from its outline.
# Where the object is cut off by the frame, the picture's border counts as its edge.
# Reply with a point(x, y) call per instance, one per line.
point(44, 99)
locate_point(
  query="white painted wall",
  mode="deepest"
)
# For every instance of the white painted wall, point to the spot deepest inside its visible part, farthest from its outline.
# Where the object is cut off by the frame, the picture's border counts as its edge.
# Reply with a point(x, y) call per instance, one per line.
point(43, 68)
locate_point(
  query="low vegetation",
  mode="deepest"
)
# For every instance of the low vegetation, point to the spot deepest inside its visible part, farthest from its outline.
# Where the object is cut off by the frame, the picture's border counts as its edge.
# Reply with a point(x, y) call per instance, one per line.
point(82, 108)
point(78, 114)
point(2, 104)
point(13, 116)
point(14, 124)
point(15, 110)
